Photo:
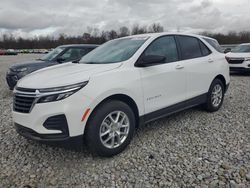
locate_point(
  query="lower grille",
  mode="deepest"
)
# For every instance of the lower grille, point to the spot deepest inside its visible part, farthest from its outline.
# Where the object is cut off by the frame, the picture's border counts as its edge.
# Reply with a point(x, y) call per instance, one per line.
point(23, 104)
point(30, 134)
point(236, 61)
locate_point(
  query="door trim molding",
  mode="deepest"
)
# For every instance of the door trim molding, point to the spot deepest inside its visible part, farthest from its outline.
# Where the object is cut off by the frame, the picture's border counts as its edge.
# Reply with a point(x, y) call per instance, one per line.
point(152, 116)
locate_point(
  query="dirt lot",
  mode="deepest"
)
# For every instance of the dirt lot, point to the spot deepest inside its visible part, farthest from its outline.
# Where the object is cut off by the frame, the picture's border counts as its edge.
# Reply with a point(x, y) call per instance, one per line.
point(189, 149)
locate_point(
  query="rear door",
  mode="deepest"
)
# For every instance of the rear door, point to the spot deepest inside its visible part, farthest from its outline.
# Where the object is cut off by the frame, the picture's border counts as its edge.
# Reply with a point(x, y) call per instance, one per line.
point(163, 84)
point(199, 65)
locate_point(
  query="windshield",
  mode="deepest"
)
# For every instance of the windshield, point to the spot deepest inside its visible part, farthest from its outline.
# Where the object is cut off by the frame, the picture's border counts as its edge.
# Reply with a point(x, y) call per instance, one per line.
point(114, 51)
point(241, 49)
point(51, 55)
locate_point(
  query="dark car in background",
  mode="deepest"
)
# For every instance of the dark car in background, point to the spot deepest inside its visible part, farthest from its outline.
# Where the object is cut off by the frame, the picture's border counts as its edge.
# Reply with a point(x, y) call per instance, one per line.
point(61, 54)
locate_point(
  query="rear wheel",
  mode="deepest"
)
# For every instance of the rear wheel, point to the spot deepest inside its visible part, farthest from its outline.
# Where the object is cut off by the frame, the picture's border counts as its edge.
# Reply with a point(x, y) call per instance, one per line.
point(110, 128)
point(215, 96)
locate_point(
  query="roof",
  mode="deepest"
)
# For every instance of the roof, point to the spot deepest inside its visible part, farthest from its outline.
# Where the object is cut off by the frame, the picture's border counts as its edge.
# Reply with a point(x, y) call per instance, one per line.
point(79, 45)
point(167, 33)
point(245, 44)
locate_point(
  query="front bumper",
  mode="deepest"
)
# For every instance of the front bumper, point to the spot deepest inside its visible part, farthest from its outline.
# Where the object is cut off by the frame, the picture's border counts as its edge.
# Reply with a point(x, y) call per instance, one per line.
point(240, 69)
point(244, 66)
point(72, 107)
point(49, 138)
point(12, 80)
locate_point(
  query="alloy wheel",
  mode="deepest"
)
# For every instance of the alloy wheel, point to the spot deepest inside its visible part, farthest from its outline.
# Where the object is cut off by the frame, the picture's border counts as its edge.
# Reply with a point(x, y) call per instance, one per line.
point(114, 129)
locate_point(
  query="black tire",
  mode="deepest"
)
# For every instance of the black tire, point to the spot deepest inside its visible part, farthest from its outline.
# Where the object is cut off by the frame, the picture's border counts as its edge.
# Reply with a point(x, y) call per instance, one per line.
point(92, 134)
point(209, 106)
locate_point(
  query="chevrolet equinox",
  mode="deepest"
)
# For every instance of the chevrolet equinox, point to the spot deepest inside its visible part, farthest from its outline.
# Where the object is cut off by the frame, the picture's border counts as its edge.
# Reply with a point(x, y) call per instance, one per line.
point(120, 85)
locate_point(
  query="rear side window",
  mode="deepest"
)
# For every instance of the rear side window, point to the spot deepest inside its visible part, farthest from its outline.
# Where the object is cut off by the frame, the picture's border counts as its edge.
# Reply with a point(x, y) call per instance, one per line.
point(190, 47)
point(214, 44)
point(164, 46)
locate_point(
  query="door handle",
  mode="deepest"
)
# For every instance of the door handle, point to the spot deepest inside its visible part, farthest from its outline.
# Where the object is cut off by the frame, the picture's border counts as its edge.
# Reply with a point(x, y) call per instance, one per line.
point(179, 67)
point(210, 61)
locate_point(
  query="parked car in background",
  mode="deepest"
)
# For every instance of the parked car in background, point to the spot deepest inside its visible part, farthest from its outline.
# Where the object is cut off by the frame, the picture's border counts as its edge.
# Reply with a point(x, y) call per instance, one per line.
point(2, 52)
point(61, 54)
point(11, 52)
point(8, 52)
point(118, 86)
point(228, 47)
point(239, 58)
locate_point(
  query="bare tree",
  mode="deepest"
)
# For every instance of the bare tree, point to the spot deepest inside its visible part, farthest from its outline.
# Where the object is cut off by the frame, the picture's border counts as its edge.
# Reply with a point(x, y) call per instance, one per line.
point(156, 28)
point(124, 31)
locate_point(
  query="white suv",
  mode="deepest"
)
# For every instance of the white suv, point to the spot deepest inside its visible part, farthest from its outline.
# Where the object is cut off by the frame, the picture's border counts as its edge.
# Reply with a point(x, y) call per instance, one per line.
point(239, 58)
point(117, 87)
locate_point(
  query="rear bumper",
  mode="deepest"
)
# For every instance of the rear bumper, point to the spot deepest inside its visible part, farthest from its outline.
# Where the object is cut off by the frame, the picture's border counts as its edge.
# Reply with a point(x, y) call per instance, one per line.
point(49, 138)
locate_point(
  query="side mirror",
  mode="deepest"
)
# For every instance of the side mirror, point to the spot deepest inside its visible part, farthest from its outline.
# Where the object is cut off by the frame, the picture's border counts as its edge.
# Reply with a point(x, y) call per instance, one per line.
point(60, 60)
point(227, 50)
point(150, 60)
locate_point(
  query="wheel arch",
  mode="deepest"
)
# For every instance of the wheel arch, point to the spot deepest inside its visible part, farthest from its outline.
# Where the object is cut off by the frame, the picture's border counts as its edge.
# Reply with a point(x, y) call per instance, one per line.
point(222, 78)
point(120, 97)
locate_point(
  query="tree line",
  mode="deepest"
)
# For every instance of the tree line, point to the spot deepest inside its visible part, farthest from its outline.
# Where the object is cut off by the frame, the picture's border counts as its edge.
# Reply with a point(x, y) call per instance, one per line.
point(231, 37)
point(95, 36)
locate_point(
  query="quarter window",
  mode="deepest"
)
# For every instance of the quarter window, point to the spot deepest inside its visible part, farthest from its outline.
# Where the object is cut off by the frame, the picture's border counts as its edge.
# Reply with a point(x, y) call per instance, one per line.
point(215, 44)
point(190, 47)
point(205, 51)
point(164, 46)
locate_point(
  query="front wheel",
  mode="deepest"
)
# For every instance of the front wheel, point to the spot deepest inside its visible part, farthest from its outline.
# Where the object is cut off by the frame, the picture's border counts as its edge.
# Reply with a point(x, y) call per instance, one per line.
point(110, 128)
point(215, 96)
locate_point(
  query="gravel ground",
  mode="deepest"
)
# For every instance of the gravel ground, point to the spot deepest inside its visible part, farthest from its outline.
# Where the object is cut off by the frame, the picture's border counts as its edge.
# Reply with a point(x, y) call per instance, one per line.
point(189, 149)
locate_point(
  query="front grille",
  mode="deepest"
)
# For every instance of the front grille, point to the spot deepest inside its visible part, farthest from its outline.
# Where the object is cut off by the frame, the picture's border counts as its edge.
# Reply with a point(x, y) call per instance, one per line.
point(236, 61)
point(23, 103)
point(24, 99)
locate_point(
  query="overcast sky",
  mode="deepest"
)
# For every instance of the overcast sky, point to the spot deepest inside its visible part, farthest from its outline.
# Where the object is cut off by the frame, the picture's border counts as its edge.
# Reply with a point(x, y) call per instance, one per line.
point(28, 18)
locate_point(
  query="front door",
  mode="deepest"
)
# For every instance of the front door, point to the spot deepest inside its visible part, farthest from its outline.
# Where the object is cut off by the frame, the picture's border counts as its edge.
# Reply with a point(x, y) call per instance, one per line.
point(163, 84)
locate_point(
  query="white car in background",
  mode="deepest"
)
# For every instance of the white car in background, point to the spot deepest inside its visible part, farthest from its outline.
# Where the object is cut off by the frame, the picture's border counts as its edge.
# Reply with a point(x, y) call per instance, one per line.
point(118, 86)
point(239, 58)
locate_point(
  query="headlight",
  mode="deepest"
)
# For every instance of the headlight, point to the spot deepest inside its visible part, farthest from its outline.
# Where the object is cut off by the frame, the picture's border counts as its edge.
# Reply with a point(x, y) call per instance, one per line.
point(21, 69)
point(247, 59)
point(59, 93)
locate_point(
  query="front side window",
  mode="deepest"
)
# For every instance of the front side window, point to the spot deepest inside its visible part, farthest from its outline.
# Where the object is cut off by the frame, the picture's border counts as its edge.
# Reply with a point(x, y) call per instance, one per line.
point(114, 51)
point(163, 46)
point(73, 54)
point(241, 49)
point(190, 47)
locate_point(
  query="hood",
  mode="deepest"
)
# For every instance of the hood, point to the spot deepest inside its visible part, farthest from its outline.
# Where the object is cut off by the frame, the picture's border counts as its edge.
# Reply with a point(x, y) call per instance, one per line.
point(238, 55)
point(64, 74)
point(32, 65)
